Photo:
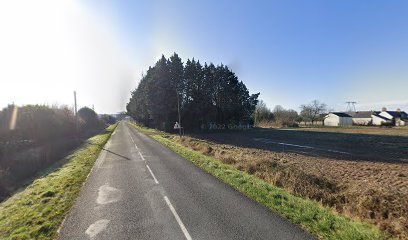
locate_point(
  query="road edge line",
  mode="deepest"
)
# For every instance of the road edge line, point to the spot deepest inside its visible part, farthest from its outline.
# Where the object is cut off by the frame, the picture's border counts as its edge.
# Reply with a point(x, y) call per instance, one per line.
point(151, 173)
point(178, 219)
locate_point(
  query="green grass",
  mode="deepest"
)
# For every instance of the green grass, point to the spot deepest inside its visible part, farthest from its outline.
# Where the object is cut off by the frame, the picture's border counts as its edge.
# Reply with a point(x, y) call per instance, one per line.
point(143, 129)
point(38, 211)
point(310, 215)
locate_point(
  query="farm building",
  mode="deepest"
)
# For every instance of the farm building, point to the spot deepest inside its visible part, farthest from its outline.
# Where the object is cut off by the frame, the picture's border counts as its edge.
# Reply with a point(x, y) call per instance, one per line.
point(361, 118)
point(338, 119)
point(379, 120)
point(398, 117)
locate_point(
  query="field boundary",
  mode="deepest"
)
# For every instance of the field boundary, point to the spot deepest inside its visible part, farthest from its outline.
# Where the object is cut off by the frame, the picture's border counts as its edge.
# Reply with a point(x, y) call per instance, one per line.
point(320, 221)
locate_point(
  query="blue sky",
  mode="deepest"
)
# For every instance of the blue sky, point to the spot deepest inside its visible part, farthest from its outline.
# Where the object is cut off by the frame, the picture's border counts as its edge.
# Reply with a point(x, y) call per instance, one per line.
point(292, 52)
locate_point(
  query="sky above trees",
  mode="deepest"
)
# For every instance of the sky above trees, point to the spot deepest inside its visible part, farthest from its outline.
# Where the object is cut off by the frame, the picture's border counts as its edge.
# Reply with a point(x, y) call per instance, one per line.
point(291, 51)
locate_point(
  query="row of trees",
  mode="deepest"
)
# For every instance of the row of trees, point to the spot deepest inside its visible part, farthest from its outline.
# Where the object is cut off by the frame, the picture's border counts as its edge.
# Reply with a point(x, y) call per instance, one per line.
point(202, 94)
point(280, 116)
point(34, 136)
point(41, 124)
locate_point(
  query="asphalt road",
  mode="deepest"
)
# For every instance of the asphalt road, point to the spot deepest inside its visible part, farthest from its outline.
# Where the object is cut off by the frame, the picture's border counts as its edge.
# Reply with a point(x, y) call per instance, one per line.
point(138, 189)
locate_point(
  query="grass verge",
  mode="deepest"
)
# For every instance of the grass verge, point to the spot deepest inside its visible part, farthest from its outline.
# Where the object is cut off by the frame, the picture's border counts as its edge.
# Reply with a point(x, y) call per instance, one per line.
point(38, 210)
point(313, 217)
point(144, 129)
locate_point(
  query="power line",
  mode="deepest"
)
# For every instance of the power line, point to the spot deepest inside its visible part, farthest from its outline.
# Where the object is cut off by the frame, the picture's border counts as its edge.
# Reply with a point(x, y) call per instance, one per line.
point(351, 106)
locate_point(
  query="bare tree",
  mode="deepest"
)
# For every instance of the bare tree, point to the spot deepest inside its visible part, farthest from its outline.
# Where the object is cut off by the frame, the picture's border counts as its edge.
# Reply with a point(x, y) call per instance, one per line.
point(262, 113)
point(285, 117)
point(313, 110)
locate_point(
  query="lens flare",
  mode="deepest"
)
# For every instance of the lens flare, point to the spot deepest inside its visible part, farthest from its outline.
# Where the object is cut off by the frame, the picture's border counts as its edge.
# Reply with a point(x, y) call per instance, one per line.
point(13, 118)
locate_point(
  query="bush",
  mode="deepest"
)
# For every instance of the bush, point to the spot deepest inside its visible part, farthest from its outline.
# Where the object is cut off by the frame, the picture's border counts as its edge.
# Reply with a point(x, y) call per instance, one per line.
point(40, 136)
point(387, 124)
point(89, 122)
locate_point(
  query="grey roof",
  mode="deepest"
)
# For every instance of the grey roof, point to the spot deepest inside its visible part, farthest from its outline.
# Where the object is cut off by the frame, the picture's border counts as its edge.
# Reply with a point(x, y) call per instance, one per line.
point(363, 114)
point(351, 113)
point(341, 114)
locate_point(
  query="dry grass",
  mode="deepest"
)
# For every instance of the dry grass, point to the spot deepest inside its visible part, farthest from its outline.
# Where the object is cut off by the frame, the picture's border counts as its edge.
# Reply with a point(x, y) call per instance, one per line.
point(374, 192)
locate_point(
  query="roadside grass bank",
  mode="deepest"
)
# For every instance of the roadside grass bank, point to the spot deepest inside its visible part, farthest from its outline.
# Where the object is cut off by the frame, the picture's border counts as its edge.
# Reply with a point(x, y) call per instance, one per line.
point(144, 129)
point(370, 184)
point(38, 211)
point(373, 192)
point(320, 221)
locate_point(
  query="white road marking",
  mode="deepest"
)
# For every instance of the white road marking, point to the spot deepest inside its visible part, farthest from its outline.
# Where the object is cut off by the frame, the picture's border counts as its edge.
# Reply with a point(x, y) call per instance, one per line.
point(183, 228)
point(130, 135)
point(289, 144)
point(140, 154)
point(335, 151)
point(107, 194)
point(265, 140)
point(155, 180)
point(97, 227)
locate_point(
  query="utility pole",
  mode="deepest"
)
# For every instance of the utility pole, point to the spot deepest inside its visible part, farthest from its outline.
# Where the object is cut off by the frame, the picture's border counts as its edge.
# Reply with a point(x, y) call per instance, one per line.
point(76, 112)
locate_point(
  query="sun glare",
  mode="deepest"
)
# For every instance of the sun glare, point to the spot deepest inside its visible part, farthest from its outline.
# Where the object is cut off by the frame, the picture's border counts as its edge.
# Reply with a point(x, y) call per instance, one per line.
point(51, 48)
point(35, 47)
point(13, 119)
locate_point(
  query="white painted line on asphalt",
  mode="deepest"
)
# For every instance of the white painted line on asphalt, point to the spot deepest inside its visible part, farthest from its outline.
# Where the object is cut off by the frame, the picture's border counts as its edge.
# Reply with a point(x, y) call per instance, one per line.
point(183, 228)
point(142, 156)
point(108, 194)
point(335, 151)
point(134, 142)
point(96, 228)
point(130, 135)
point(155, 180)
point(265, 140)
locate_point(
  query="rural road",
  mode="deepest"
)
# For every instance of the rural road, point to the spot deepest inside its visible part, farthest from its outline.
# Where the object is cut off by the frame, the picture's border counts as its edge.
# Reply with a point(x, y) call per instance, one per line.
point(138, 189)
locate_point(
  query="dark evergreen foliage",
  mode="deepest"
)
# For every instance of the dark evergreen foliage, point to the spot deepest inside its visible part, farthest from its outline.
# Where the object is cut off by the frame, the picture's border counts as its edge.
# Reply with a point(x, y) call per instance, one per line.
point(205, 94)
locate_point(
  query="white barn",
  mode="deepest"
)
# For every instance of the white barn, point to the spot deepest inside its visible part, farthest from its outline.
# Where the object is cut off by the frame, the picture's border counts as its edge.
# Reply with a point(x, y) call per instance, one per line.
point(361, 118)
point(338, 119)
point(379, 120)
point(399, 118)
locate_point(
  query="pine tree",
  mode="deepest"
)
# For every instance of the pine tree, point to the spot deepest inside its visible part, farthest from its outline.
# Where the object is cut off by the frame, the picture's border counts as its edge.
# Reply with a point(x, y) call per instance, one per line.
point(203, 95)
point(176, 71)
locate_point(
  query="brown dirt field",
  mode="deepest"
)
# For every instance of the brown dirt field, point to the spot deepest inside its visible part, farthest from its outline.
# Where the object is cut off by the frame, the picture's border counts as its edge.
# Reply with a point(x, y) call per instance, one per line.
point(373, 191)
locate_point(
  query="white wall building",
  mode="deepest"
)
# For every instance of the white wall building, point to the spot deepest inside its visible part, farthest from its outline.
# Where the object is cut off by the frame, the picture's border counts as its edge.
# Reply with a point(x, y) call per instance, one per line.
point(338, 119)
point(361, 118)
point(397, 118)
point(379, 120)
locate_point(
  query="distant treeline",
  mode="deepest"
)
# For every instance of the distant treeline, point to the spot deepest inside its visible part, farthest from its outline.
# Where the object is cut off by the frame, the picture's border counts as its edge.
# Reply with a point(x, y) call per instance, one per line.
point(32, 137)
point(204, 94)
point(312, 112)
